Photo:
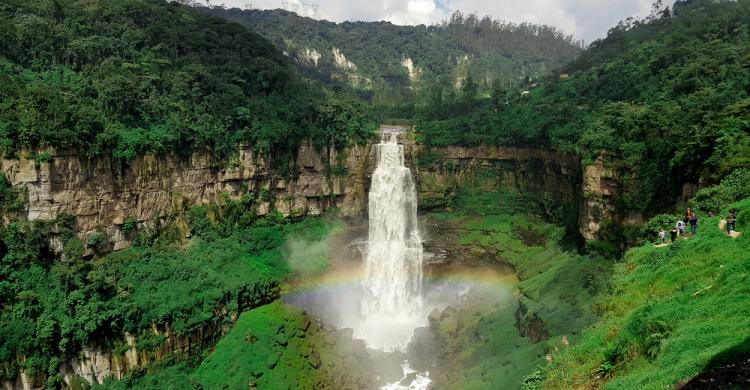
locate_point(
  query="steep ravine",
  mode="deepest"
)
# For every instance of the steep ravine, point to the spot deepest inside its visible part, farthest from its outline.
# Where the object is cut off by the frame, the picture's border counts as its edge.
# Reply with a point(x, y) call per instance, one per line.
point(155, 190)
point(160, 190)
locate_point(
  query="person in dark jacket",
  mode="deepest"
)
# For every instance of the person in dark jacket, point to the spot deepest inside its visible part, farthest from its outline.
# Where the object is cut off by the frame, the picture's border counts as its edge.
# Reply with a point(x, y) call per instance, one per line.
point(731, 219)
point(673, 234)
point(693, 224)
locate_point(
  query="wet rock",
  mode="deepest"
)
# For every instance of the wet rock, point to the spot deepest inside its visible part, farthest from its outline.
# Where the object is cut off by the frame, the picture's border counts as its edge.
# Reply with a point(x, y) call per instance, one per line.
point(408, 379)
point(434, 316)
point(314, 360)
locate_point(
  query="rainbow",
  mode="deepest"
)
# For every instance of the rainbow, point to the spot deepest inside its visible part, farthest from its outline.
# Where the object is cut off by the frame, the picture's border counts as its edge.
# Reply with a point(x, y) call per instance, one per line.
point(350, 278)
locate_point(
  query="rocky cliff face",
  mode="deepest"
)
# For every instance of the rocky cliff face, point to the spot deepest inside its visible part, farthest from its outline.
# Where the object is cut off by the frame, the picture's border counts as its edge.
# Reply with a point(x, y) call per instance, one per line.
point(155, 189)
point(551, 178)
point(599, 190)
point(151, 189)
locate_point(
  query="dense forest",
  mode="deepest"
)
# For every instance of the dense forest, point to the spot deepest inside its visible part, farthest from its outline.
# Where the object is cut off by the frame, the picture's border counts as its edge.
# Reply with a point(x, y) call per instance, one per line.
point(139, 76)
point(127, 78)
point(665, 99)
point(492, 52)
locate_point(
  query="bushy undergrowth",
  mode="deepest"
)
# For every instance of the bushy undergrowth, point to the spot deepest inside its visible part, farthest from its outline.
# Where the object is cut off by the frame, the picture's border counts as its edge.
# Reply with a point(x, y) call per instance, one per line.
point(734, 187)
point(52, 308)
point(556, 287)
point(267, 347)
point(670, 312)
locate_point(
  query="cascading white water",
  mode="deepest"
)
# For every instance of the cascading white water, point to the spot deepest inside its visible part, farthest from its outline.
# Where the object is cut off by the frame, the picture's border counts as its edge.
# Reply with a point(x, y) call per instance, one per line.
point(392, 283)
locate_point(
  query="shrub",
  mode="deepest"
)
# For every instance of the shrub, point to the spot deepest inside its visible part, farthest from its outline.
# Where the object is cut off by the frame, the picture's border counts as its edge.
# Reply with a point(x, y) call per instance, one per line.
point(97, 241)
point(737, 185)
point(129, 226)
point(650, 230)
point(535, 380)
point(734, 187)
point(709, 199)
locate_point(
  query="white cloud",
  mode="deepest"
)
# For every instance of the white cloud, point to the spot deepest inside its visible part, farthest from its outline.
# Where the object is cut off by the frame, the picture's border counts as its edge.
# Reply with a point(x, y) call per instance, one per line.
point(586, 19)
point(413, 12)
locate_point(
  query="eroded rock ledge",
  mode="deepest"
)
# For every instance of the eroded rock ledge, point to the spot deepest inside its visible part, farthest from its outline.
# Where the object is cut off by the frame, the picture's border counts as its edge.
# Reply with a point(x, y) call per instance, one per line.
point(101, 197)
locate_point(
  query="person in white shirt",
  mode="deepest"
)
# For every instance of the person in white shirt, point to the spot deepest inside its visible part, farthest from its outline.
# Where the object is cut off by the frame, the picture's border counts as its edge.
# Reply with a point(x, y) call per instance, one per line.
point(680, 227)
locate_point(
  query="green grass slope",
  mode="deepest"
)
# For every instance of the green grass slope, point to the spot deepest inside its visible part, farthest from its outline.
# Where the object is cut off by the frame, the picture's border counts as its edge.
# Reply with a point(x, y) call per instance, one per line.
point(670, 312)
point(556, 292)
point(267, 348)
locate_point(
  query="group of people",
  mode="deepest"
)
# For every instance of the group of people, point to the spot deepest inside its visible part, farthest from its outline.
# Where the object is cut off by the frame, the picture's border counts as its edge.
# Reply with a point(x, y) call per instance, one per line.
point(692, 220)
point(679, 227)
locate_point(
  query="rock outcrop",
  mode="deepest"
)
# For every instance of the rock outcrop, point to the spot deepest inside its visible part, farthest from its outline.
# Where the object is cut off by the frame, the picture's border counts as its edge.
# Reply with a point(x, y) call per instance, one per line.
point(151, 188)
point(551, 178)
point(600, 188)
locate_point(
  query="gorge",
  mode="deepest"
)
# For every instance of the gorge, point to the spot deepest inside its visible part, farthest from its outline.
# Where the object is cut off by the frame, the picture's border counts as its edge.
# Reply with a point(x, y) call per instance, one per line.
point(159, 192)
point(194, 197)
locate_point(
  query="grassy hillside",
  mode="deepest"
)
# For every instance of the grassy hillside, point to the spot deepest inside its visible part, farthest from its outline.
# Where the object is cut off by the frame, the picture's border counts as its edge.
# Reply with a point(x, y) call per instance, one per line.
point(491, 52)
point(556, 292)
point(671, 311)
point(263, 340)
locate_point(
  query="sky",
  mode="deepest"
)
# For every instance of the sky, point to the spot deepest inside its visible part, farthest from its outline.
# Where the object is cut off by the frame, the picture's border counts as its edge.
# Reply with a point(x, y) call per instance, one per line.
point(585, 19)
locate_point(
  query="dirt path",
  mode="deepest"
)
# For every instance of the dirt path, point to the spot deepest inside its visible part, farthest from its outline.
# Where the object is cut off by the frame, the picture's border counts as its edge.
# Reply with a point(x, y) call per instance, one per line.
point(723, 228)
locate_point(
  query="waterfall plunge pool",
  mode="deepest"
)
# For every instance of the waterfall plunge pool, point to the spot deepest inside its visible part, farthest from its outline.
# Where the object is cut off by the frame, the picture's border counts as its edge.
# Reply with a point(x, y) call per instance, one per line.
point(453, 279)
point(384, 299)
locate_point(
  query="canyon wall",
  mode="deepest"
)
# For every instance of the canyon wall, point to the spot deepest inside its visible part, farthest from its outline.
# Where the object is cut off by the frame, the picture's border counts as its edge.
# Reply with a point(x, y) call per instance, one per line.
point(558, 184)
point(151, 189)
point(160, 189)
point(551, 180)
point(599, 190)
point(102, 196)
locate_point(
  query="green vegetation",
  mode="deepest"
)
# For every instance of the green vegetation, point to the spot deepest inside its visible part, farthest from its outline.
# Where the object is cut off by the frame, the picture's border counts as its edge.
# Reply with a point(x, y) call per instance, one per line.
point(52, 308)
point(484, 51)
point(271, 347)
point(138, 76)
point(268, 347)
point(670, 312)
point(733, 188)
point(664, 100)
point(557, 292)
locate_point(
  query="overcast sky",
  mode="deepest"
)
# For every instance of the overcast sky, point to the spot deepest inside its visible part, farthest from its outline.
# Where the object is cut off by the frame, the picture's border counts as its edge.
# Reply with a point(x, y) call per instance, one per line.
point(585, 19)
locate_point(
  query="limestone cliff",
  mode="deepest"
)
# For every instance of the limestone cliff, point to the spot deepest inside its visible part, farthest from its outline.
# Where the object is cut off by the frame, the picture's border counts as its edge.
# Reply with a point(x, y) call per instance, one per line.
point(153, 188)
point(551, 178)
point(600, 188)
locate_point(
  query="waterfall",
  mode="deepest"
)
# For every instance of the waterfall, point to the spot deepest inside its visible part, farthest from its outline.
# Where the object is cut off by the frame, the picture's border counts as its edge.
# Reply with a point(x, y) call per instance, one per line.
point(392, 282)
